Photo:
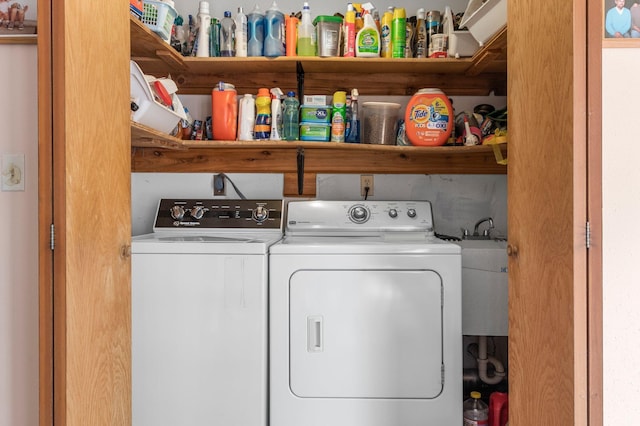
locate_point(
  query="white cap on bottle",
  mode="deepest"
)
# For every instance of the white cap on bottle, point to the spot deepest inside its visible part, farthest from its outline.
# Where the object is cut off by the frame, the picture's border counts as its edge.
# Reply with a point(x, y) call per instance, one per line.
point(204, 7)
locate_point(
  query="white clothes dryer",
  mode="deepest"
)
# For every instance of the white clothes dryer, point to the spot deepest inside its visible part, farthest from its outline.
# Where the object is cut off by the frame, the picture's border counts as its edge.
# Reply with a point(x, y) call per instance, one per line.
point(365, 317)
point(199, 313)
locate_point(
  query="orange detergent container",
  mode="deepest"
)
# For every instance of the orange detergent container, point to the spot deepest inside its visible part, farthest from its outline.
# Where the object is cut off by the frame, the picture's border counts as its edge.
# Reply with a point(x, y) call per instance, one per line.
point(224, 112)
point(428, 118)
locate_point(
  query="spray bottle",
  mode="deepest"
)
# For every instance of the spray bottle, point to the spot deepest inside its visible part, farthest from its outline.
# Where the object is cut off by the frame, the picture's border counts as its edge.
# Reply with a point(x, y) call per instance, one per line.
point(368, 38)
point(276, 114)
point(353, 127)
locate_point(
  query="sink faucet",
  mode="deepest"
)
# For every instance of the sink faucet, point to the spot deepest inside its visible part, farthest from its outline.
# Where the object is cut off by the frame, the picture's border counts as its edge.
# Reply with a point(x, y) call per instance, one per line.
point(486, 234)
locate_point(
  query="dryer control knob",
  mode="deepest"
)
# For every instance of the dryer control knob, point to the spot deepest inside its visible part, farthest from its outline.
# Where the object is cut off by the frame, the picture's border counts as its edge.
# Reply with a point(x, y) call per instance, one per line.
point(393, 213)
point(197, 212)
point(359, 214)
point(177, 212)
point(260, 214)
point(411, 213)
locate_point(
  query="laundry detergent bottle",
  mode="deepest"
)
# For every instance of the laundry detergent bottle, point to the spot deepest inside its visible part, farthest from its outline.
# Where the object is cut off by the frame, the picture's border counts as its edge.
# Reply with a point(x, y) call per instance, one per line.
point(262, 127)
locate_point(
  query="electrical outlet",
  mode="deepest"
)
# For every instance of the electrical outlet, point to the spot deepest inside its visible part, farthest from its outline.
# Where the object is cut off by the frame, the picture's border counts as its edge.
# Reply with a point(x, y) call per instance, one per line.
point(219, 184)
point(12, 172)
point(366, 181)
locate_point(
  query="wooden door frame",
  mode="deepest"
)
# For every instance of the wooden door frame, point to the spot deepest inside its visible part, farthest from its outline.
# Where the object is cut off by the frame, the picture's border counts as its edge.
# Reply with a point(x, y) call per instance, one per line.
point(45, 215)
point(595, 21)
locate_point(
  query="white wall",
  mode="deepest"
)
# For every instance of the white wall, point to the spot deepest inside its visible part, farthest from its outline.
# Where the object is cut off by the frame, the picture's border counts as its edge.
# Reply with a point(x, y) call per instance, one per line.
point(19, 241)
point(621, 257)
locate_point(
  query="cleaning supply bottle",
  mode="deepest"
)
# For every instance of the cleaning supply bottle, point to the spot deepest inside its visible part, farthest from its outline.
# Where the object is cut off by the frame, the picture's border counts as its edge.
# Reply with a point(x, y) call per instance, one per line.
point(262, 127)
point(474, 411)
point(204, 25)
point(241, 34)
point(368, 38)
point(385, 33)
point(274, 32)
point(291, 34)
point(353, 126)
point(255, 26)
point(291, 125)
point(227, 35)
point(214, 38)
point(349, 30)
point(398, 32)
point(306, 33)
point(338, 116)
point(246, 117)
point(276, 114)
point(421, 34)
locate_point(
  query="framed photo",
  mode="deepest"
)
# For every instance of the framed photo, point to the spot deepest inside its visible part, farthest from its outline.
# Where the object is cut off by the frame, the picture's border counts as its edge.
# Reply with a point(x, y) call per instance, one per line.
point(18, 21)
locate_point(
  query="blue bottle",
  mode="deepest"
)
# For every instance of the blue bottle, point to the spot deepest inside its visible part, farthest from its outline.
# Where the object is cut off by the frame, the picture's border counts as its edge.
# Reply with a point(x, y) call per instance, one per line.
point(352, 133)
point(274, 32)
point(255, 26)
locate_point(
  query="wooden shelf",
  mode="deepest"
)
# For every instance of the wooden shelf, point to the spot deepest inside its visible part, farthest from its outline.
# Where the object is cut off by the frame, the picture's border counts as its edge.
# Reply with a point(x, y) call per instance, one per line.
point(480, 75)
point(154, 152)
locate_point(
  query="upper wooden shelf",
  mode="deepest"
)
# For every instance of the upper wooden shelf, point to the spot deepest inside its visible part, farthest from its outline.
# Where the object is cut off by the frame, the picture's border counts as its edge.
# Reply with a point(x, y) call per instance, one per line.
point(480, 75)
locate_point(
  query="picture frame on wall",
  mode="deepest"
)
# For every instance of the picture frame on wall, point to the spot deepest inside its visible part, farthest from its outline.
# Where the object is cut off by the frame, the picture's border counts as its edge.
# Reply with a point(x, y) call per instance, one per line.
point(622, 19)
point(18, 21)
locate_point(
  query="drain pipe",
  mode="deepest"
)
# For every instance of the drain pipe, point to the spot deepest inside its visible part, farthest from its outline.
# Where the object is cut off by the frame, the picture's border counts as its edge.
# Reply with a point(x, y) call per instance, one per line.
point(484, 360)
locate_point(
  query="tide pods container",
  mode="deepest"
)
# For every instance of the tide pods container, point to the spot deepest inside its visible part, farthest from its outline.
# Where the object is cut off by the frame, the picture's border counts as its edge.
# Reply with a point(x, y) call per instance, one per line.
point(429, 118)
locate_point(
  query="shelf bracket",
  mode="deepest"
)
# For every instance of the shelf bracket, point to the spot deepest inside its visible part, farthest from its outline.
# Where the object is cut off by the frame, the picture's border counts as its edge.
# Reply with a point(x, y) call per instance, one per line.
point(300, 170)
point(300, 77)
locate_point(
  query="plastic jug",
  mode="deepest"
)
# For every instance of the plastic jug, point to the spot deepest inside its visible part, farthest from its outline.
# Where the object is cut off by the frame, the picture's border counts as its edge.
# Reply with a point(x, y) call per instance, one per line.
point(255, 27)
point(306, 33)
point(224, 107)
point(274, 32)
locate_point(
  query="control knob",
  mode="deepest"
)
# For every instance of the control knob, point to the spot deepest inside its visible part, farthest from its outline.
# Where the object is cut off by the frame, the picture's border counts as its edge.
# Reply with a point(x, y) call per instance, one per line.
point(359, 214)
point(177, 212)
point(197, 212)
point(260, 214)
point(411, 213)
point(393, 213)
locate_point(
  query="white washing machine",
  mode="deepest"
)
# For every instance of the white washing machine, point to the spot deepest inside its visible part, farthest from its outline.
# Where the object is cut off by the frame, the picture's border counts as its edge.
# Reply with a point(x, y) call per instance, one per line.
point(199, 313)
point(365, 317)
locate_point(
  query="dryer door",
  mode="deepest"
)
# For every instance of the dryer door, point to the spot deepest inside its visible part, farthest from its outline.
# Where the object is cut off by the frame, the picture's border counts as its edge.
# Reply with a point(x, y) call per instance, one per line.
point(366, 333)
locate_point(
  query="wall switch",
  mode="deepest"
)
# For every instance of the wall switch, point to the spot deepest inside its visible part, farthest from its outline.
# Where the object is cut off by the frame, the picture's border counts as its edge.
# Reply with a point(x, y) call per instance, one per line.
point(219, 187)
point(366, 185)
point(12, 172)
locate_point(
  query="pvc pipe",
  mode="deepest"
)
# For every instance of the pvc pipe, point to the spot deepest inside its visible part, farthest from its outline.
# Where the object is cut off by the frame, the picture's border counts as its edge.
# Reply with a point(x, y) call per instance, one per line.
point(484, 360)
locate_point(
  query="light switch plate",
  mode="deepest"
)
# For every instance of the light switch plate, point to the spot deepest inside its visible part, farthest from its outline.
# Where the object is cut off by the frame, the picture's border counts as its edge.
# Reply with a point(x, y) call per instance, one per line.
point(12, 172)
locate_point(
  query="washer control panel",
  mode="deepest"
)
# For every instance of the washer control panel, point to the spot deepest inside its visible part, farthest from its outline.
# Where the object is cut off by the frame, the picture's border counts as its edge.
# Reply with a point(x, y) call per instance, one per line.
point(218, 214)
point(358, 217)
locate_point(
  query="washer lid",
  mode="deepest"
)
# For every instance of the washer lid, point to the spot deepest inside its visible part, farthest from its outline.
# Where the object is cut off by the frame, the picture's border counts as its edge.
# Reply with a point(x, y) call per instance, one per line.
point(204, 243)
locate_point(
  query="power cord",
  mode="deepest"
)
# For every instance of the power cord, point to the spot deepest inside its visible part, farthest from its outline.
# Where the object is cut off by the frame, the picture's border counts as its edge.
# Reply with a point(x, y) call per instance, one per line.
point(366, 192)
point(235, 188)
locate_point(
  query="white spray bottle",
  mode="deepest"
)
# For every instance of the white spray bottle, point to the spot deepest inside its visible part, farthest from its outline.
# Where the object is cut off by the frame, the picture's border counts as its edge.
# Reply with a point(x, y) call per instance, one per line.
point(276, 114)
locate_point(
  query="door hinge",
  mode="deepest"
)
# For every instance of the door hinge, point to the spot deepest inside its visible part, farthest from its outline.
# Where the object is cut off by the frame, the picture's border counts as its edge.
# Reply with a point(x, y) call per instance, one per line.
point(588, 235)
point(52, 237)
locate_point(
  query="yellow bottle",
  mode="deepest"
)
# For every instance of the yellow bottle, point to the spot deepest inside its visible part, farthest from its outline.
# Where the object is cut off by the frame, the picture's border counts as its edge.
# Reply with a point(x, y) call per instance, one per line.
point(385, 33)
